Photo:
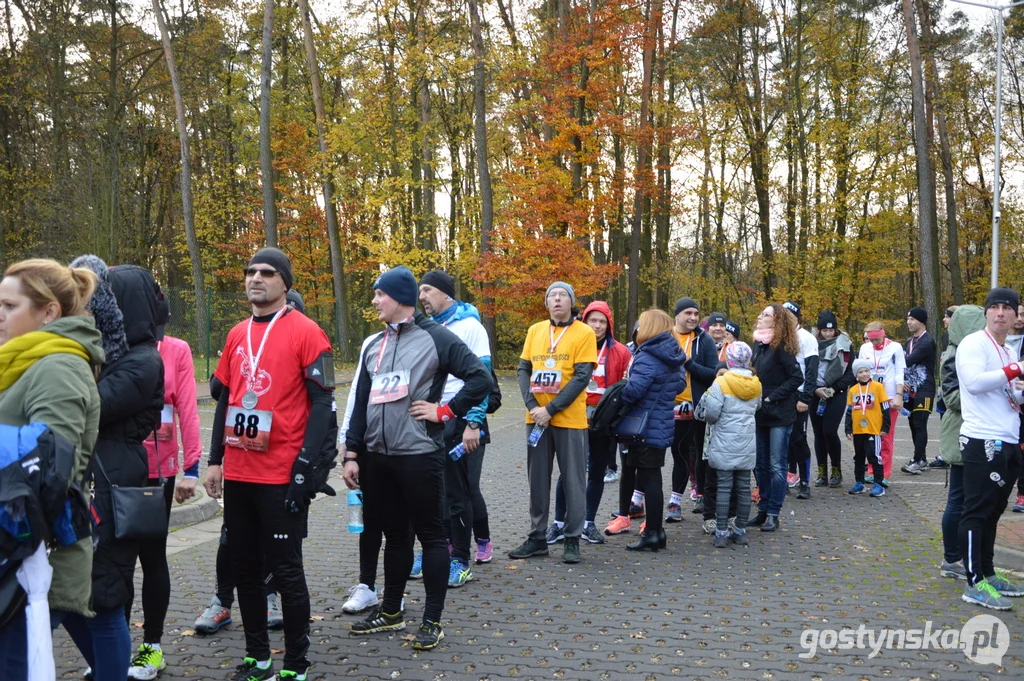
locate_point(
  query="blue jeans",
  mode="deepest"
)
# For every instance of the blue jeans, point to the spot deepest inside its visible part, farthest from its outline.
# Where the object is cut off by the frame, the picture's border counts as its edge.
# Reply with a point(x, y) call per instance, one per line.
point(14, 649)
point(772, 465)
point(103, 640)
point(951, 516)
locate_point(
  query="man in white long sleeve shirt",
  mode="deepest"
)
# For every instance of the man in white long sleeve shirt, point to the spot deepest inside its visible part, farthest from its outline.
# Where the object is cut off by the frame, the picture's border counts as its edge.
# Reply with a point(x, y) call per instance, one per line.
point(990, 400)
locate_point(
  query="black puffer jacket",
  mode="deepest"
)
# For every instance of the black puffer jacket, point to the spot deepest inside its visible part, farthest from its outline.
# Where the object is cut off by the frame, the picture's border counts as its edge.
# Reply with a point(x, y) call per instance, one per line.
point(131, 397)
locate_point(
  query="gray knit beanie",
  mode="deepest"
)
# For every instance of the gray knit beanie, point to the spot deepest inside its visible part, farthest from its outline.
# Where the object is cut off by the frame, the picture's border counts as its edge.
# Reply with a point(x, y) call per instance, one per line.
point(104, 309)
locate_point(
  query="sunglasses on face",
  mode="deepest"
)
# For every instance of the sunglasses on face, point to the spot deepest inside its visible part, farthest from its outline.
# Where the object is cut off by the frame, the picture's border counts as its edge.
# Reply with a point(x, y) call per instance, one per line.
point(266, 274)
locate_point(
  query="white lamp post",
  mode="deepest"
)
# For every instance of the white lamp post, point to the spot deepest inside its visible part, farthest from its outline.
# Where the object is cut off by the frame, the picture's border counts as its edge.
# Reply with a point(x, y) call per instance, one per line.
point(998, 9)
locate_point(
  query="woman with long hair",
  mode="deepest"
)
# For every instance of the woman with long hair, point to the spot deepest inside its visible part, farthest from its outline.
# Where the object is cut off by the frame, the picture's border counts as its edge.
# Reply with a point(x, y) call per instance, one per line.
point(775, 349)
point(49, 351)
point(656, 376)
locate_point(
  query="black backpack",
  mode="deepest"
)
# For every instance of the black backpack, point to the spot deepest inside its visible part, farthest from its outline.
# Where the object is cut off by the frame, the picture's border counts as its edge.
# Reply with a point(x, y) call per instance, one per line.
point(609, 411)
point(494, 401)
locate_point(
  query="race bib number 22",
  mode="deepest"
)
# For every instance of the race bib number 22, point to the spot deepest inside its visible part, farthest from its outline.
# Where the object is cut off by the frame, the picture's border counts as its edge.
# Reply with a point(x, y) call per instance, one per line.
point(389, 387)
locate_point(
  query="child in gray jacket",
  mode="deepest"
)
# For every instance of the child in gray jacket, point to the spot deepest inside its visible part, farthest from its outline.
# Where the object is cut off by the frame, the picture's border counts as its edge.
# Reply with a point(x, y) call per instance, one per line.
point(729, 406)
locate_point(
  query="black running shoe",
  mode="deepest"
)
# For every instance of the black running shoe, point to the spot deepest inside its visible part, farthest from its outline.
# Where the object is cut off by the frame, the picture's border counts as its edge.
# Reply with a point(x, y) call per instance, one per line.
point(428, 636)
point(378, 621)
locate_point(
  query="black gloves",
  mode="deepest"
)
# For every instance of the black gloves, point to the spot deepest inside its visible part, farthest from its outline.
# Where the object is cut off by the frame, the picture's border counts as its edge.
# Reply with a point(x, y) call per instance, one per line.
point(309, 476)
point(300, 488)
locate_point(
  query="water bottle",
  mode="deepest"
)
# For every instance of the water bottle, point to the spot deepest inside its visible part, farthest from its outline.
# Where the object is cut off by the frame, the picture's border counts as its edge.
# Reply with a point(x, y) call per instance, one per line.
point(821, 408)
point(904, 411)
point(460, 449)
point(355, 511)
point(535, 434)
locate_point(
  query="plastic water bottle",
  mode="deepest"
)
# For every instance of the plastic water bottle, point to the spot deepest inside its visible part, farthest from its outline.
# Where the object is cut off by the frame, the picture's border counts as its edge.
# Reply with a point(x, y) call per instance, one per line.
point(904, 411)
point(821, 407)
point(536, 433)
point(355, 511)
point(460, 449)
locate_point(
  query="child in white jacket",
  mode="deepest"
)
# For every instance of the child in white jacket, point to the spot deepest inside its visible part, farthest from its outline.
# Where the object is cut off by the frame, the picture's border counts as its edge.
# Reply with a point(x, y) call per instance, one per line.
point(730, 404)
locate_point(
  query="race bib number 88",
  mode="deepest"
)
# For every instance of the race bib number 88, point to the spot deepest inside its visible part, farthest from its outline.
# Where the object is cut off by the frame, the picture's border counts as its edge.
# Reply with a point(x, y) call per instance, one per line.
point(248, 429)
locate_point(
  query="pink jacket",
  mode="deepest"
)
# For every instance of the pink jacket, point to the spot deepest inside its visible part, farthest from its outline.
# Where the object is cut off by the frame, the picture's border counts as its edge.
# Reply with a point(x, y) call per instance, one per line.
point(180, 398)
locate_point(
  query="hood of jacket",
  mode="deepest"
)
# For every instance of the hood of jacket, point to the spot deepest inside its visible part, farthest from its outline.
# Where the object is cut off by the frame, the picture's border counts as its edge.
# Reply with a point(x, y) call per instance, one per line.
point(741, 383)
point(966, 320)
point(83, 330)
point(136, 293)
point(665, 347)
point(603, 308)
point(459, 310)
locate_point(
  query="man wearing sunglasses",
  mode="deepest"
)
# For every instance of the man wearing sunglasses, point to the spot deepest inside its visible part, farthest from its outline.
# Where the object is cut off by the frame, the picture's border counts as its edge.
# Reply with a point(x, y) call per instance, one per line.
point(272, 418)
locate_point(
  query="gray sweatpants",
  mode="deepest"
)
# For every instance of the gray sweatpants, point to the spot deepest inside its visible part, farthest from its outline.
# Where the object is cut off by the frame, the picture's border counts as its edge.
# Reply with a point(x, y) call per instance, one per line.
point(569, 446)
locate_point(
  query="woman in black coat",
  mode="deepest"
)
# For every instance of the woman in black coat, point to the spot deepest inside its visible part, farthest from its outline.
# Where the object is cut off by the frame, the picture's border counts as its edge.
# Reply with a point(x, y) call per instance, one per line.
point(131, 388)
point(775, 350)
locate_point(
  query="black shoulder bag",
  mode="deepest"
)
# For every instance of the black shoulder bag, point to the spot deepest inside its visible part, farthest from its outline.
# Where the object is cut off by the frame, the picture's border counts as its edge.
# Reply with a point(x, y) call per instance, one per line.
point(139, 512)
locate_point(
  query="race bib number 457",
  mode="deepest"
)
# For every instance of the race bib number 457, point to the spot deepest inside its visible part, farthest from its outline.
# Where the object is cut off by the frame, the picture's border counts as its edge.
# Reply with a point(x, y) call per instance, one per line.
point(546, 381)
point(248, 429)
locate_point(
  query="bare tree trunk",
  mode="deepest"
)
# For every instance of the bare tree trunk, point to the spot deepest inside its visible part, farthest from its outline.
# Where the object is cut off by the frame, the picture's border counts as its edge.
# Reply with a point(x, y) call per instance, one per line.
point(952, 229)
point(482, 159)
point(642, 178)
point(337, 257)
point(195, 254)
point(266, 156)
point(925, 174)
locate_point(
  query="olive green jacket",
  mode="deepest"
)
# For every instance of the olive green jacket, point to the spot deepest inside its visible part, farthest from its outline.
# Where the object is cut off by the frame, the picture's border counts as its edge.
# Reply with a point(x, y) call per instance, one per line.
point(966, 320)
point(60, 391)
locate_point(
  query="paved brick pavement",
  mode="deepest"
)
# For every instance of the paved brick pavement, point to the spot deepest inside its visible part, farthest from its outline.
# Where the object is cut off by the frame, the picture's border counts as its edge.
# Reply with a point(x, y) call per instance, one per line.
point(690, 612)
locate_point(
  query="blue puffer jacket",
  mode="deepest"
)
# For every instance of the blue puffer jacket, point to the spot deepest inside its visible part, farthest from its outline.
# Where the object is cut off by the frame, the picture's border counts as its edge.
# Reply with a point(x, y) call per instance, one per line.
point(655, 378)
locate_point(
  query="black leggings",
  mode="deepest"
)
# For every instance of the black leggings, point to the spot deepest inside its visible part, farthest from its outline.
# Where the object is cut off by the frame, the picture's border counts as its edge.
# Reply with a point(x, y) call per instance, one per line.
point(920, 410)
point(156, 577)
point(648, 481)
point(259, 525)
point(226, 573)
point(406, 492)
point(689, 434)
point(627, 483)
point(828, 448)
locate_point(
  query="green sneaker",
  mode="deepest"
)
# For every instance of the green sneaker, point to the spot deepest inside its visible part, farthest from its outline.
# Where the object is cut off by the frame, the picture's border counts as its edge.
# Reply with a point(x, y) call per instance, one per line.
point(250, 670)
point(529, 548)
point(1004, 586)
point(147, 663)
point(985, 595)
point(288, 674)
point(571, 550)
point(428, 636)
point(378, 621)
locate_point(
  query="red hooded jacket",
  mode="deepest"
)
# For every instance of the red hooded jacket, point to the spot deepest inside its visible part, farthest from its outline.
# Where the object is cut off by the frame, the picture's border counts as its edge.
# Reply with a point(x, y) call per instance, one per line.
point(614, 357)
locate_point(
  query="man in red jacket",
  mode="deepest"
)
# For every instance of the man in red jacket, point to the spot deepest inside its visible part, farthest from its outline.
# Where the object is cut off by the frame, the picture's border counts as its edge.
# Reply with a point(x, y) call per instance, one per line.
point(612, 360)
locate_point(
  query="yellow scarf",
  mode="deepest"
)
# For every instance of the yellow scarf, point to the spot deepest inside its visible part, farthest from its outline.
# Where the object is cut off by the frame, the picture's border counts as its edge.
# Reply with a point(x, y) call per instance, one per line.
point(18, 354)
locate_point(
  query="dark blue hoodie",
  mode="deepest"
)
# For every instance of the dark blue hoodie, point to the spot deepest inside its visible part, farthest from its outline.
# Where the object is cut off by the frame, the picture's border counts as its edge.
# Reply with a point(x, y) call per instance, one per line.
point(655, 378)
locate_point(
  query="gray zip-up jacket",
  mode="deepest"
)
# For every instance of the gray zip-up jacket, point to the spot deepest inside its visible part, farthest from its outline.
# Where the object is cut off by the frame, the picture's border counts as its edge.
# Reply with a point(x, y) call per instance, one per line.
point(429, 352)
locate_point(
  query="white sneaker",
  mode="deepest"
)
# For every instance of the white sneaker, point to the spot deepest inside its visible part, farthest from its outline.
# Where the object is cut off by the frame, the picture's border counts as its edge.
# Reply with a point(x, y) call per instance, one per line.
point(611, 476)
point(361, 597)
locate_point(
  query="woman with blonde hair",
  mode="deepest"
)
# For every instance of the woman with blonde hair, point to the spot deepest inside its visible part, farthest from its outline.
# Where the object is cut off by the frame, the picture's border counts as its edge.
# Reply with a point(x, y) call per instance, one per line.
point(49, 351)
point(775, 349)
point(656, 376)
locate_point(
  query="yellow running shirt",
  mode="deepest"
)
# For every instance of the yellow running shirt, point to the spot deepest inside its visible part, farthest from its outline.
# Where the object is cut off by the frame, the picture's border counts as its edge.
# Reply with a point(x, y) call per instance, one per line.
point(554, 352)
point(686, 343)
point(866, 403)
